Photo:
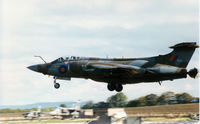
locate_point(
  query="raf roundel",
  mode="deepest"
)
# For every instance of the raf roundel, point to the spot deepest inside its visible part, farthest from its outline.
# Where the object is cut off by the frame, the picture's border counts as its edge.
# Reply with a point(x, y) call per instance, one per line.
point(62, 69)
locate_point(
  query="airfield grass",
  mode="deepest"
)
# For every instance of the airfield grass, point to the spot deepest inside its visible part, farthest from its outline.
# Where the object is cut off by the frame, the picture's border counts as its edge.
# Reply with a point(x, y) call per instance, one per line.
point(74, 121)
point(165, 119)
point(49, 121)
point(17, 114)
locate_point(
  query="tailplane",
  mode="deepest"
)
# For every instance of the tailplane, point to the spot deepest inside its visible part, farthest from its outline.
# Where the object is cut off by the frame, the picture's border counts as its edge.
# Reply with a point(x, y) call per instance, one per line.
point(180, 56)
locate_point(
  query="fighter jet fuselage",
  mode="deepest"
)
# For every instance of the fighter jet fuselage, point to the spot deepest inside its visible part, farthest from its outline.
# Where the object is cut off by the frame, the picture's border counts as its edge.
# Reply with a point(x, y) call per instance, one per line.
point(119, 71)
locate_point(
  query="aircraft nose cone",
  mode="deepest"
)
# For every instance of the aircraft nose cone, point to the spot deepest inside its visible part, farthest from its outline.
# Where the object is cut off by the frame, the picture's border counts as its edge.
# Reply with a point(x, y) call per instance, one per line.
point(33, 67)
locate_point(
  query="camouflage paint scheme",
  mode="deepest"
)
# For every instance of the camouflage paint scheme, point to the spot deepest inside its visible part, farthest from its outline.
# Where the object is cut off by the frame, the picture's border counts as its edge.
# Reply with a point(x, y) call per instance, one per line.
point(119, 71)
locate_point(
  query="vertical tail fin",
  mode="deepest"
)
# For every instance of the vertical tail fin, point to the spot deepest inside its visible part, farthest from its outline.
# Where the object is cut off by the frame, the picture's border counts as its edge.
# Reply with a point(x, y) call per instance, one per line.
point(78, 107)
point(39, 108)
point(181, 54)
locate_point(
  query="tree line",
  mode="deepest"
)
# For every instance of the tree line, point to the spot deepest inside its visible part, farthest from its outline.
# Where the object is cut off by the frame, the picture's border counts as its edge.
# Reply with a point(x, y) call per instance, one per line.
point(120, 100)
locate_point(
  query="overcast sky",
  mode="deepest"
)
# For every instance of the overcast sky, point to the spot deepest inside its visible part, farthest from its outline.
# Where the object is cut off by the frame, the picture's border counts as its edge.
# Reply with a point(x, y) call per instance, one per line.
point(100, 28)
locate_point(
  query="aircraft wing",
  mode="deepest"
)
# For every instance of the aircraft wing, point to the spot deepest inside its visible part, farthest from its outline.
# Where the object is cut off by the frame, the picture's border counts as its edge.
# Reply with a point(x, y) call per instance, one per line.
point(113, 69)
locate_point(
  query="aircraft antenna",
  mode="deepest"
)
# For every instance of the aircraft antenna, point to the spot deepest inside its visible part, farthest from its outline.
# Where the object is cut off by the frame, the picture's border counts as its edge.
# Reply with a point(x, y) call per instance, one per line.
point(41, 58)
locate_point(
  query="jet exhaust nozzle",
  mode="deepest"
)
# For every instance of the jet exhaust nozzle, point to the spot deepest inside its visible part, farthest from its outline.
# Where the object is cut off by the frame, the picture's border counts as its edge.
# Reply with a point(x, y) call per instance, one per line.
point(193, 72)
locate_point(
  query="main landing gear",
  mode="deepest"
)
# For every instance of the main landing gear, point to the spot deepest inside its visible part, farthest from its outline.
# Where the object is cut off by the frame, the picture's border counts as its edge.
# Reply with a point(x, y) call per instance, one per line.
point(117, 87)
point(56, 85)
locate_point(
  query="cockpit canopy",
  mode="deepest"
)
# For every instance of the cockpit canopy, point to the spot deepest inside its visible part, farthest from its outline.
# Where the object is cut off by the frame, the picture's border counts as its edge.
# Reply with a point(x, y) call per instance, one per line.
point(65, 59)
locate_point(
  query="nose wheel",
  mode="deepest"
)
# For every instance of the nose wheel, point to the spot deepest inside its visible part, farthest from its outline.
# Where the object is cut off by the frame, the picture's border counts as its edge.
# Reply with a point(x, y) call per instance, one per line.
point(56, 85)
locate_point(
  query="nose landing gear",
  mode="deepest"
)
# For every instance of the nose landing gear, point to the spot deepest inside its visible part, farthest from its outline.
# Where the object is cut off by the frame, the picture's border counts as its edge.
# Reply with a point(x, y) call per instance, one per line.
point(56, 85)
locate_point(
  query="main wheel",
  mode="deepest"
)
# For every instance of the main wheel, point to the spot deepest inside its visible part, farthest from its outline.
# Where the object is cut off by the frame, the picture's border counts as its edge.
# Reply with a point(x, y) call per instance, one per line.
point(57, 85)
point(119, 88)
point(111, 87)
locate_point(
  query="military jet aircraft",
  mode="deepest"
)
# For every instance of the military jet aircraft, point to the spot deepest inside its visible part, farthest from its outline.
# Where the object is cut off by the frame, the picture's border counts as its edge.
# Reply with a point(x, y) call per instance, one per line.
point(63, 112)
point(33, 114)
point(120, 71)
